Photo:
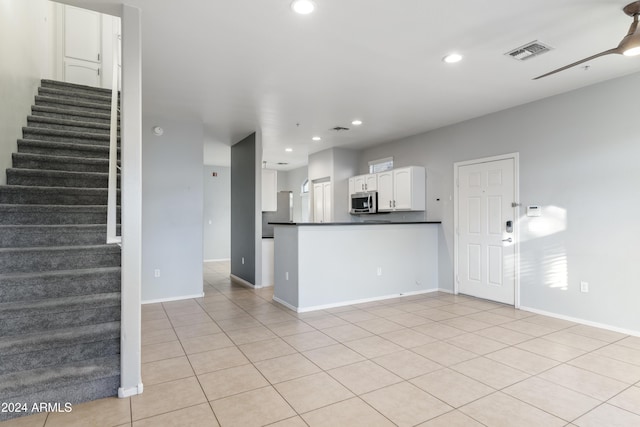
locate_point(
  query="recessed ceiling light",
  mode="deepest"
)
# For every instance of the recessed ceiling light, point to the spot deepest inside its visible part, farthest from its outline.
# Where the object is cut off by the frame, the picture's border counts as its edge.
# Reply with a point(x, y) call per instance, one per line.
point(316, 138)
point(288, 150)
point(356, 122)
point(303, 7)
point(452, 58)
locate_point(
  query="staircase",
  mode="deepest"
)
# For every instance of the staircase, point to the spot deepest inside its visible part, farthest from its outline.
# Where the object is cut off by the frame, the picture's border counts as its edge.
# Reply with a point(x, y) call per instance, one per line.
point(59, 281)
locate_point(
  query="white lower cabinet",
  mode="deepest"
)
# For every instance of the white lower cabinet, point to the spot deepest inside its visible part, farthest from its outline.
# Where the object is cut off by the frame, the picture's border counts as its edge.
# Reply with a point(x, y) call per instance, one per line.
point(322, 209)
point(401, 189)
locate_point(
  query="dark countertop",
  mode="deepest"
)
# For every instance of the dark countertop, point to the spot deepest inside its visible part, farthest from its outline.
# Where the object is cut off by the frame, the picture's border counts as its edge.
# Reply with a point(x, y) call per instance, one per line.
point(357, 223)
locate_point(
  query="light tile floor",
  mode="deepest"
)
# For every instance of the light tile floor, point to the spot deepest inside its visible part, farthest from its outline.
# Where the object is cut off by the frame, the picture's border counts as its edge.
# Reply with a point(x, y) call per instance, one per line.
point(235, 358)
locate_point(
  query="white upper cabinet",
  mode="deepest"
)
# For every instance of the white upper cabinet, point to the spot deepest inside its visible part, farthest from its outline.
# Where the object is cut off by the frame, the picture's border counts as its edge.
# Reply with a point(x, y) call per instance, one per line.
point(371, 182)
point(360, 183)
point(269, 190)
point(385, 191)
point(402, 189)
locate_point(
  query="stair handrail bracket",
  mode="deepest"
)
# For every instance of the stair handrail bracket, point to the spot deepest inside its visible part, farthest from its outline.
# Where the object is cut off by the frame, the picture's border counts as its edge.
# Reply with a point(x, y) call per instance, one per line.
point(112, 195)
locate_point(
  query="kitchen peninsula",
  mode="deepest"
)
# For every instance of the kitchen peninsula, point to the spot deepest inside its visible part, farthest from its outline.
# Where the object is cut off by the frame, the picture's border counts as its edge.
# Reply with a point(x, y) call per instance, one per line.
point(323, 265)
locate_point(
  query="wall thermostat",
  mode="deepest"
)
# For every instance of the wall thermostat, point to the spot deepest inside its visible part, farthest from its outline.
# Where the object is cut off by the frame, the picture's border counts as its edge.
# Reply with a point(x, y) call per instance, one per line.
point(534, 210)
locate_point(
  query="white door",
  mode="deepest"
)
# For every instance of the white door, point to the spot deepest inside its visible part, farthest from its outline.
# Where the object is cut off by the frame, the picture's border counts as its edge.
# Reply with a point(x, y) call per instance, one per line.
point(402, 189)
point(486, 247)
point(82, 46)
point(327, 211)
point(385, 191)
point(318, 204)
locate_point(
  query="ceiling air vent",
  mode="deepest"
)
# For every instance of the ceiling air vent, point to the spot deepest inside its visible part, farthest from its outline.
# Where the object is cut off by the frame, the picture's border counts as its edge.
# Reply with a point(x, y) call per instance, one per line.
point(339, 128)
point(528, 51)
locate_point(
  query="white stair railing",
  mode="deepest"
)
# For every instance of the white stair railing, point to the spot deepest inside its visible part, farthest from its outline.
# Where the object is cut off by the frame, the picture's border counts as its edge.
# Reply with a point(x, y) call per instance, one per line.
point(112, 197)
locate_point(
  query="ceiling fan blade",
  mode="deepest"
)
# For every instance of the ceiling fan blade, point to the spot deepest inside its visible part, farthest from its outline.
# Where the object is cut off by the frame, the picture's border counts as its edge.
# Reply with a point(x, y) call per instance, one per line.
point(597, 55)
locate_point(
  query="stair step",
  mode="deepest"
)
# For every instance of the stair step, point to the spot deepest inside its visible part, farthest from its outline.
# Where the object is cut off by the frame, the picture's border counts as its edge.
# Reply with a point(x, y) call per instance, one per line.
point(73, 105)
point(65, 114)
point(75, 95)
point(20, 214)
point(58, 284)
point(63, 149)
point(58, 347)
point(70, 125)
point(59, 163)
point(19, 195)
point(65, 136)
point(26, 236)
point(48, 178)
point(74, 87)
point(20, 317)
point(73, 383)
point(55, 258)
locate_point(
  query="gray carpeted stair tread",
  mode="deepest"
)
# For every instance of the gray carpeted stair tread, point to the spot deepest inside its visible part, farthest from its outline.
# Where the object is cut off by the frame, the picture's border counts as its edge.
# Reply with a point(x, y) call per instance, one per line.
point(53, 178)
point(68, 136)
point(59, 347)
point(74, 87)
point(17, 194)
point(98, 98)
point(30, 214)
point(55, 258)
point(24, 383)
point(61, 113)
point(67, 124)
point(72, 104)
point(59, 338)
point(63, 149)
point(17, 236)
point(57, 284)
point(17, 309)
point(60, 163)
point(58, 313)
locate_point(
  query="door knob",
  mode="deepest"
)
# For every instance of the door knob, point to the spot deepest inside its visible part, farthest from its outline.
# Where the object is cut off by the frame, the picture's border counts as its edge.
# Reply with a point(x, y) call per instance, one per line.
point(508, 240)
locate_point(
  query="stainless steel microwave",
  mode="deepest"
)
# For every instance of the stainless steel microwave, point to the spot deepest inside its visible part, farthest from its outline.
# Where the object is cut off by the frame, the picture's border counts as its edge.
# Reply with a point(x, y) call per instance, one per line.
point(364, 203)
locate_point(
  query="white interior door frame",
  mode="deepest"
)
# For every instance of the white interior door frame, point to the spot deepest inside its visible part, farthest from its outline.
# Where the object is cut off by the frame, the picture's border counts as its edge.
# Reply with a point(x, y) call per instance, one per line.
point(516, 225)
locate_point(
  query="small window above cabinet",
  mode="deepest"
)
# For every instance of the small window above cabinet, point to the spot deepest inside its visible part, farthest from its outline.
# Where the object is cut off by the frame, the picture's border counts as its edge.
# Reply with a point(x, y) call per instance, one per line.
point(269, 190)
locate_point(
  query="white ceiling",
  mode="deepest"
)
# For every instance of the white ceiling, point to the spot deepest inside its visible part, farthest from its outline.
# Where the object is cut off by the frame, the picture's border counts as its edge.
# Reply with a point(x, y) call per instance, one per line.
point(243, 65)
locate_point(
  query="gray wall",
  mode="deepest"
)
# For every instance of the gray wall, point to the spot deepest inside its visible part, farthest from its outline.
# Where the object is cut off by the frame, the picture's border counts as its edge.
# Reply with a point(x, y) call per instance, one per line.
point(172, 193)
point(217, 212)
point(243, 209)
point(579, 160)
point(25, 53)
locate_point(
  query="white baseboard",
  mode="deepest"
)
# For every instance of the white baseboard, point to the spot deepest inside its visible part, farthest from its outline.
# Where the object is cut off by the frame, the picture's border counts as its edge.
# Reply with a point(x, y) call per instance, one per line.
point(446, 291)
point(242, 282)
point(286, 304)
point(217, 260)
point(131, 391)
point(154, 301)
point(582, 321)
point(351, 302)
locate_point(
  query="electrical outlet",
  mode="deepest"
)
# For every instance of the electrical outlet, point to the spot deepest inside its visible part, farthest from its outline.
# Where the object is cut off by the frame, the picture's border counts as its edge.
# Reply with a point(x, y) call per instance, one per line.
point(584, 287)
point(379, 272)
point(242, 260)
point(286, 275)
point(156, 272)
